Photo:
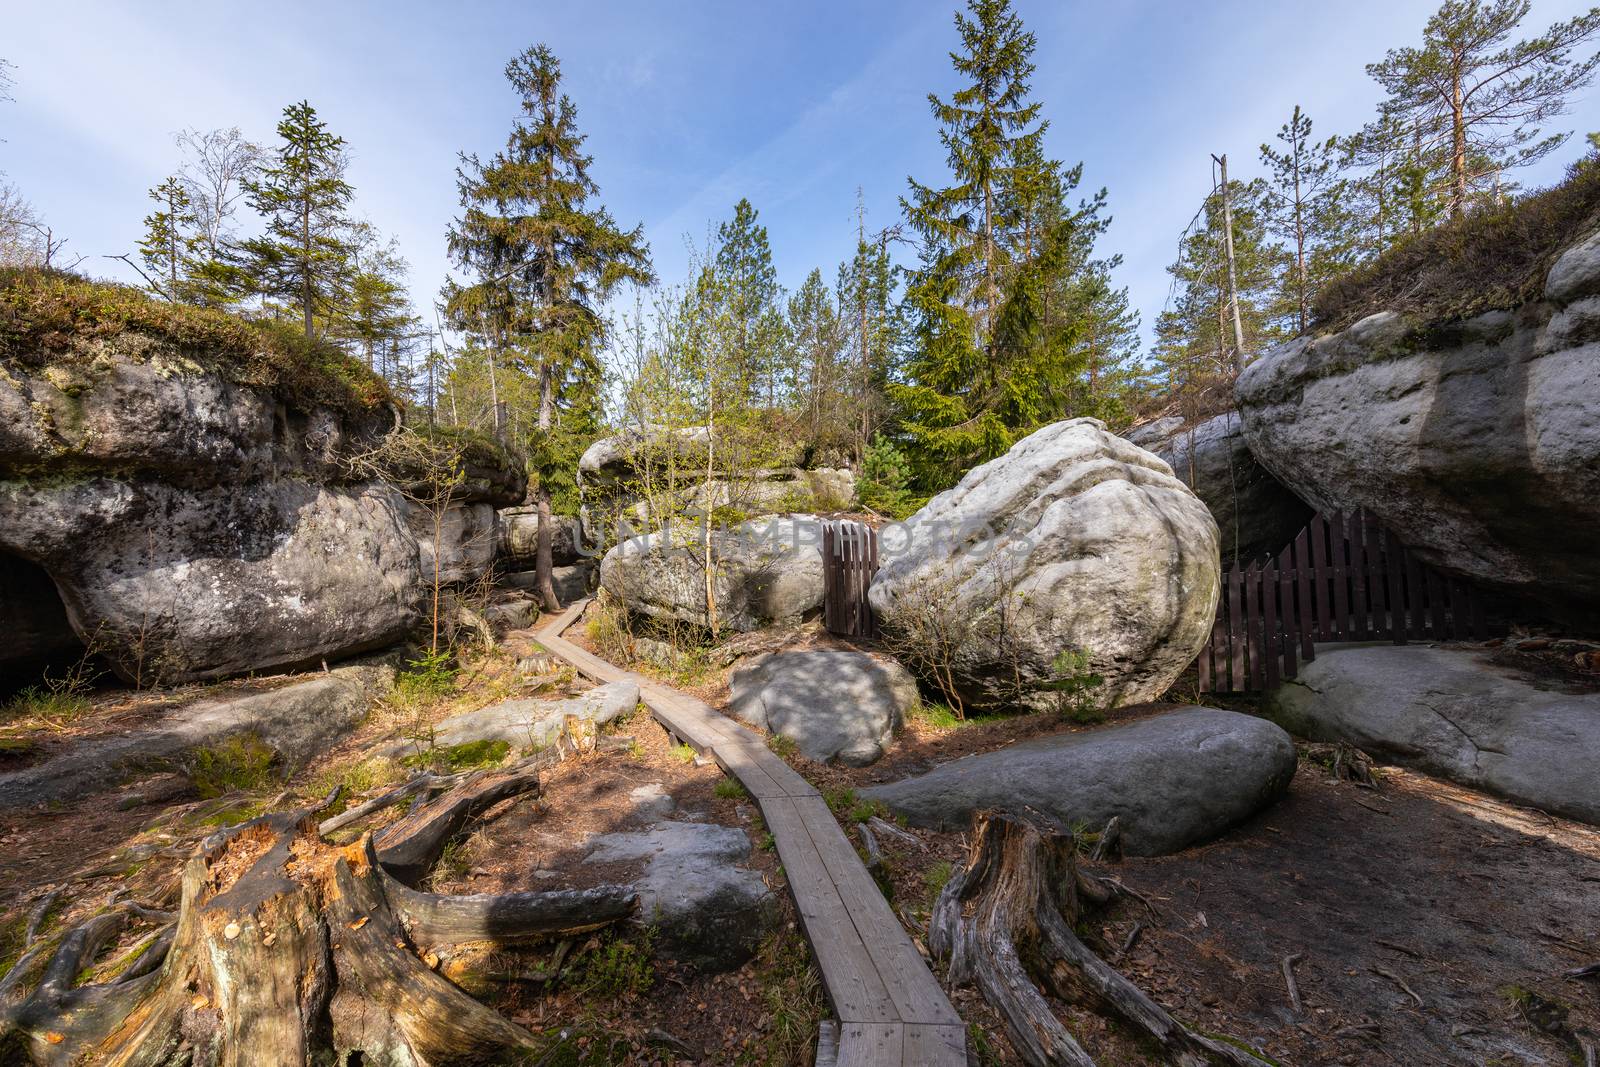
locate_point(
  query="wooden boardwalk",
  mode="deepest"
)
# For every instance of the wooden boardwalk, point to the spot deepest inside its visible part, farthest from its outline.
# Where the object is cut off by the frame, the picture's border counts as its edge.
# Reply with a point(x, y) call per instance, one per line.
point(890, 1007)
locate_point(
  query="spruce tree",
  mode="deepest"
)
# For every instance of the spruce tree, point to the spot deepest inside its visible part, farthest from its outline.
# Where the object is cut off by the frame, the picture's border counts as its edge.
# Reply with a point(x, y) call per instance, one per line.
point(171, 242)
point(971, 233)
point(303, 258)
point(542, 258)
point(374, 315)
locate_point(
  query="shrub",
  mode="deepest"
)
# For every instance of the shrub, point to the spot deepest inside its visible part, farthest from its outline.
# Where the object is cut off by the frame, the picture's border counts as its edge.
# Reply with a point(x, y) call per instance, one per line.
point(242, 763)
point(1075, 685)
point(730, 789)
point(619, 967)
point(1491, 257)
point(884, 485)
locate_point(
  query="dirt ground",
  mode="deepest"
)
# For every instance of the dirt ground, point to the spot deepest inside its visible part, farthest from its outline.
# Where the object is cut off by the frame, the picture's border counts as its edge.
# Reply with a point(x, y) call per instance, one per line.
point(1429, 924)
point(1414, 890)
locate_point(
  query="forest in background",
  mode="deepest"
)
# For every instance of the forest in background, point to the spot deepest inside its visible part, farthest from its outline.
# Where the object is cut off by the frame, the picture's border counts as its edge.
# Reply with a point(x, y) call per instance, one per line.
point(989, 309)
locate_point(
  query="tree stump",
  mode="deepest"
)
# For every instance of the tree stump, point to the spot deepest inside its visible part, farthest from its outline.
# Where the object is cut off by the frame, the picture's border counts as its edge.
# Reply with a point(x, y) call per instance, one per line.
point(286, 950)
point(1005, 923)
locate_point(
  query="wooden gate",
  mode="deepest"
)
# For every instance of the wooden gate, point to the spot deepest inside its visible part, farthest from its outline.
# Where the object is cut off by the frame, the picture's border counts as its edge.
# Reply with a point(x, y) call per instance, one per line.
point(849, 560)
point(1345, 578)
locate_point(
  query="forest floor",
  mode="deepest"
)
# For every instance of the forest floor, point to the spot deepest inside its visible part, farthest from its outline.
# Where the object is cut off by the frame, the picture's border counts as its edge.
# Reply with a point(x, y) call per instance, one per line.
point(613, 1003)
point(1428, 923)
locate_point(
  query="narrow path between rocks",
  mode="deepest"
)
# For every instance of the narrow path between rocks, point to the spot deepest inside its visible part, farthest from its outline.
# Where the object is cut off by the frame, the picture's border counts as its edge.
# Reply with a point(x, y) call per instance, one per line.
point(891, 1009)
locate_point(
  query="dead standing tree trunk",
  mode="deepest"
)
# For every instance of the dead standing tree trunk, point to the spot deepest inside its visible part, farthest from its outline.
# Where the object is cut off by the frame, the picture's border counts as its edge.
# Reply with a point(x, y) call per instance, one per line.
point(1005, 923)
point(286, 950)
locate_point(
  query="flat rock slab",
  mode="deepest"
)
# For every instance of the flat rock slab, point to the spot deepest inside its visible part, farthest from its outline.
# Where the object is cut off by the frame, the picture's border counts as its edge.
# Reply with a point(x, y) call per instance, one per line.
point(1453, 714)
point(1175, 779)
point(296, 721)
point(527, 725)
point(844, 706)
point(707, 909)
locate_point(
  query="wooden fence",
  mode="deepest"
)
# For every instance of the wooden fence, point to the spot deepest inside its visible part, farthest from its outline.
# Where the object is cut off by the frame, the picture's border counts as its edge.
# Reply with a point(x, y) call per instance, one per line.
point(1345, 578)
point(849, 560)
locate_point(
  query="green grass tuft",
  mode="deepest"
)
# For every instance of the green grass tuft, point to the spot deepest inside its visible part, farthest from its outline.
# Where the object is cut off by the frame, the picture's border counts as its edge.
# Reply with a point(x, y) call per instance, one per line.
point(242, 763)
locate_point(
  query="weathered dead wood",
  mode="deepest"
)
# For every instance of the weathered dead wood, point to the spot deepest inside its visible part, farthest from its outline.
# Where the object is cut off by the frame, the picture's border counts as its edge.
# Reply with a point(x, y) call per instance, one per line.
point(284, 951)
point(890, 830)
point(1291, 984)
point(419, 784)
point(1005, 923)
point(1109, 844)
point(409, 848)
point(1590, 971)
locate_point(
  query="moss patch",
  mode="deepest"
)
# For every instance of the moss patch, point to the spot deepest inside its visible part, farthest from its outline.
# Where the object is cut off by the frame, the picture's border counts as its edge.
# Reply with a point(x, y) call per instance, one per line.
point(51, 318)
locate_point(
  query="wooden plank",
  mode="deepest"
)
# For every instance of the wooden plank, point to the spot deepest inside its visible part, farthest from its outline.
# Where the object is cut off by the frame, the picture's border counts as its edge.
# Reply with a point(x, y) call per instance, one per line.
point(1480, 625)
point(1394, 562)
point(1377, 580)
point(758, 759)
point(827, 1044)
point(1359, 628)
point(854, 985)
point(1285, 595)
point(926, 1044)
point(828, 596)
point(871, 1044)
point(915, 993)
point(738, 761)
point(1321, 577)
point(1236, 632)
point(1271, 639)
point(1458, 629)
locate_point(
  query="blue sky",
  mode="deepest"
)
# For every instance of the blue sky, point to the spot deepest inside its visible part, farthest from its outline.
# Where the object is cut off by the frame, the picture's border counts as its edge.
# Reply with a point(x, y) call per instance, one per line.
point(688, 106)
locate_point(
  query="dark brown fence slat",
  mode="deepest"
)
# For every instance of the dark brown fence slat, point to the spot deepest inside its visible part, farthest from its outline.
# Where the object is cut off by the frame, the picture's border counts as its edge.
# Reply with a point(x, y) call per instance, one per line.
point(1236, 630)
point(1320, 578)
point(1436, 624)
point(1377, 586)
point(1252, 622)
point(1417, 589)
point(1286, 623)
point(1359, 629)
point(1307, 624)
point(1394, 565)
point(1480, 626)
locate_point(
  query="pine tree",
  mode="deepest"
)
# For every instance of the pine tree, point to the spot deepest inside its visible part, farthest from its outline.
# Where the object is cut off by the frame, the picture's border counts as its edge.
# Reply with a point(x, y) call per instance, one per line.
point(744, 259)
point(1303, 174)
point(544, 258)
point(816, 368)
point(871, 319)
point(1194, 334)
point(171, 243)
point(303, 258)
point(1478, 100)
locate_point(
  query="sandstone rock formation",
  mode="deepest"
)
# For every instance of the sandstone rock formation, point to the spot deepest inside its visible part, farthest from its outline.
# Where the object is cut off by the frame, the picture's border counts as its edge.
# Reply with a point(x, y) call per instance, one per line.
point(1173, 780)
point(1074, 541)
point(834, 705)
point(1453, 714)
point(1255, 514)
point(1475, 441)
point(197, 524)
point(763, 571)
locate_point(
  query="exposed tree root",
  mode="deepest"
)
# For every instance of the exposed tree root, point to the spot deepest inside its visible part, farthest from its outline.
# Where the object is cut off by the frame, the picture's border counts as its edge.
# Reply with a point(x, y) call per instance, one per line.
point(288, 951)
point(1005, 923)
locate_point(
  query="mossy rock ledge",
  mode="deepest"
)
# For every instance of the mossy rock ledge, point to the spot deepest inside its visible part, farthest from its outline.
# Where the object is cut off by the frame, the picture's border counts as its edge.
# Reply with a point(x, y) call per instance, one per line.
point(183, 478)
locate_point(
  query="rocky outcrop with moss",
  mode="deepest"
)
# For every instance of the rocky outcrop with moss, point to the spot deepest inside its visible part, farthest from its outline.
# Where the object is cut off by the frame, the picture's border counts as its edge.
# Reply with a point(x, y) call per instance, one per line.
point(1475, 440)
point(185, 480)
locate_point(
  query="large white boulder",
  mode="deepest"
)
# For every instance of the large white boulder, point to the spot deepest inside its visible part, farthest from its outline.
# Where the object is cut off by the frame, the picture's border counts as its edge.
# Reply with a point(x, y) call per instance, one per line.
point(1073, 541)
point(764, 571)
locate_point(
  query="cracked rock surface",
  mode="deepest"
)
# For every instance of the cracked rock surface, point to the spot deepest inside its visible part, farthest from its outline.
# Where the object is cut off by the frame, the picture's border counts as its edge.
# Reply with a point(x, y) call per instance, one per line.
point(1452, 713)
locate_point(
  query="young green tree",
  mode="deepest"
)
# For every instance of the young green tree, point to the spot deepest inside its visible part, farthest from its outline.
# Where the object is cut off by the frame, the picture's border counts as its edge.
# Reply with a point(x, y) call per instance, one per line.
point(373, 316)
point(1481, 99)
point(750, 286)
point(1301, 176)
point(303, 258)
point(170, 244)
point(543, 258)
